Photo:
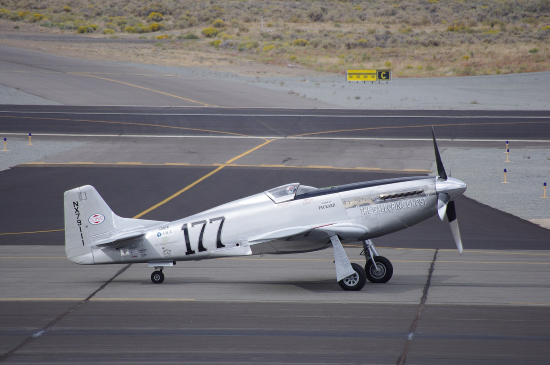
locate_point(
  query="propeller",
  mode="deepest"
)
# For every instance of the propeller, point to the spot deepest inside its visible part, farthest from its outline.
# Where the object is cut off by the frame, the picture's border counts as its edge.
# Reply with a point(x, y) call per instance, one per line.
point(445, 187)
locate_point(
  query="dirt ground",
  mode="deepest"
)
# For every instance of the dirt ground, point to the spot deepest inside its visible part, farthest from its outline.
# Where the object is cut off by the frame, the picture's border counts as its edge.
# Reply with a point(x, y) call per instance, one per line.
point(164, 53)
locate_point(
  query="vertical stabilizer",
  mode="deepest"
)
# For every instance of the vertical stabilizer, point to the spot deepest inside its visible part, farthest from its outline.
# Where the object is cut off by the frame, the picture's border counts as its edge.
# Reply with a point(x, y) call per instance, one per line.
point(77, 238)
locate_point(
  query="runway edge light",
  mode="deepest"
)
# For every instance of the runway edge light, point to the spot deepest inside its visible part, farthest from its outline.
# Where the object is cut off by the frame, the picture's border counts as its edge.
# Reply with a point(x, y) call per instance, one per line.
point(505, 182)
point(506, 146)
point(507, 155)
point(544, 189)
point(30, 142)
point(5, 145)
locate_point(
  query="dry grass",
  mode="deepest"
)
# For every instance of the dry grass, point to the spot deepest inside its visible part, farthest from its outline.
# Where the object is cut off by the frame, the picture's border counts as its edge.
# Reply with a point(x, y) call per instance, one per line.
point(418, 38)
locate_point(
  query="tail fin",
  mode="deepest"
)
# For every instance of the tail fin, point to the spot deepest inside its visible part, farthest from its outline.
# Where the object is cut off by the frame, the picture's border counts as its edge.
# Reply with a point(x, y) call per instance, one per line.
point(89, 223)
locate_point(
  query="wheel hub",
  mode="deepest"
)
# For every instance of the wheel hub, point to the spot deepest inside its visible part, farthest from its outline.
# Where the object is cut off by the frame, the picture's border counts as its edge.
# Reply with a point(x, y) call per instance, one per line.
point(378, 272)
point(352, 280)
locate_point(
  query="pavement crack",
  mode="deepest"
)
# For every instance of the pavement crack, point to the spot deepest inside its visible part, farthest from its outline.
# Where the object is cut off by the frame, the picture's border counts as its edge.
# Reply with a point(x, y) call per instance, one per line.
point(403, 358)
point(63, 315)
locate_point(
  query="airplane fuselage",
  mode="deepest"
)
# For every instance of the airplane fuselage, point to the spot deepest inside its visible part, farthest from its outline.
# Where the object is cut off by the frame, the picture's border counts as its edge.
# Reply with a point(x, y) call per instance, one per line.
point(253, 224)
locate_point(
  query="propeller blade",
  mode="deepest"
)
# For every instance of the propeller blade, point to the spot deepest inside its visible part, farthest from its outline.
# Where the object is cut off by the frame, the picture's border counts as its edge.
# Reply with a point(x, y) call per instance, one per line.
point(439, 163)
point(442, 201)
point(451, 215)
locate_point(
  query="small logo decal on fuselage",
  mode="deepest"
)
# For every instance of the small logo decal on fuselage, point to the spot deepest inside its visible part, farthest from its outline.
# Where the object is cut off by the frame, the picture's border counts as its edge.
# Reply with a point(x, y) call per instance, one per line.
point(96, 219)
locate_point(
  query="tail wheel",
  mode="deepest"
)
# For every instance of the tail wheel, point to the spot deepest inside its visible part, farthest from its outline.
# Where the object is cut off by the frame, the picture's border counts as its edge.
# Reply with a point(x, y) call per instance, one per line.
point(383, 271)
point(157, 277)
point(356, 281)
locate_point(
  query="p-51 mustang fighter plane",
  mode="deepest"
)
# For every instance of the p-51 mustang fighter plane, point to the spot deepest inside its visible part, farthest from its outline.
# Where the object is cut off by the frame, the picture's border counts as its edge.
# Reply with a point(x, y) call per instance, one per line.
point(292, 218)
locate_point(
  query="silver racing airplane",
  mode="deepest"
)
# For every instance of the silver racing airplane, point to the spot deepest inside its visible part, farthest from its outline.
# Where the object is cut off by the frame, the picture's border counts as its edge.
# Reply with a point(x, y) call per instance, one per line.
point(292, 218)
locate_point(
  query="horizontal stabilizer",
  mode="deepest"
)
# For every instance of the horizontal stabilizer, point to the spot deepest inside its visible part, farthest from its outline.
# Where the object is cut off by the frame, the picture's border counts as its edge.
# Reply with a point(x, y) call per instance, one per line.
point(120, 236)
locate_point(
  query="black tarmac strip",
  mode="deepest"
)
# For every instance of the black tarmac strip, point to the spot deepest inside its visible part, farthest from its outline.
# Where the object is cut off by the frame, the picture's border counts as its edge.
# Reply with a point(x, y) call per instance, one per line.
point(270, 333)
point(35, 202)
point(498, 125)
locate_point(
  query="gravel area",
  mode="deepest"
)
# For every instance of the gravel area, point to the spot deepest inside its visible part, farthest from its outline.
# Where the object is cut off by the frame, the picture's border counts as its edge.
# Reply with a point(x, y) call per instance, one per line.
point(528, 91)
point(483, 171)
point(9, 95)
point(20, 152)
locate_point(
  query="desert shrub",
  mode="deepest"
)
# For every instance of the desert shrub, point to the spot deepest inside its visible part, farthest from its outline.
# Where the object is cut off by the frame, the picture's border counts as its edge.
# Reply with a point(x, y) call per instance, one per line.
point(243, 29)
point(300, 42)
point(317, 14)
point(208, 15)
point(460, 28)
point(210, 32)
point(110, 26)
point(164, 36)
point(85, 29)
point(67, 9)
point(108, 31)
point(36, 18)
point(188, 36)
point(48, 24)
point(16, 16)
point(156, 27)
point(216, 43)
point(154, 17)
point(534, 50)
point(407, 30)
point(120, 21)
point(269, 48)
point(387, 64)
point(218, 23)
point(129, 30)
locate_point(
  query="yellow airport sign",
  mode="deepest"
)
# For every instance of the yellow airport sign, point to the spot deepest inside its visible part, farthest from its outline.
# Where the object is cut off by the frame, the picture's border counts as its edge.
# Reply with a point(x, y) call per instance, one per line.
point(368, 75)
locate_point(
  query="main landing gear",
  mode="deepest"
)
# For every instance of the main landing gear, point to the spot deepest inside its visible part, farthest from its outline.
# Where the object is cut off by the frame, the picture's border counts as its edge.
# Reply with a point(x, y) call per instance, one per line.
point(378, 268)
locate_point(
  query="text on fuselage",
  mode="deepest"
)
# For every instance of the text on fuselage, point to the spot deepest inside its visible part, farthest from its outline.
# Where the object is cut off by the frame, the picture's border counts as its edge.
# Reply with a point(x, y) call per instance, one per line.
point(390, 207)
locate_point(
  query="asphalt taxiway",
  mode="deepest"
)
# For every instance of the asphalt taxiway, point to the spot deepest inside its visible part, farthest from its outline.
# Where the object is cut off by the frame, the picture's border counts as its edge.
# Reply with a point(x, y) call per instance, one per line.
point(489, 305)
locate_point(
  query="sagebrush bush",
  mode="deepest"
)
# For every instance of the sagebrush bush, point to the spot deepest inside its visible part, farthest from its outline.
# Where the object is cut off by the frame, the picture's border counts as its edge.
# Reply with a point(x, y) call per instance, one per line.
point(154, 17)
point(218, 23)
point(210, 32)
point(129, 30)
point(300, 42)
point(108, 31)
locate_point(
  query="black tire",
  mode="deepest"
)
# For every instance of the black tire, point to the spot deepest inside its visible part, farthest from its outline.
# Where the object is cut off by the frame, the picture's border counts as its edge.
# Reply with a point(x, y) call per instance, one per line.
point(157, 277)
point(354, 282)
point(384, 273)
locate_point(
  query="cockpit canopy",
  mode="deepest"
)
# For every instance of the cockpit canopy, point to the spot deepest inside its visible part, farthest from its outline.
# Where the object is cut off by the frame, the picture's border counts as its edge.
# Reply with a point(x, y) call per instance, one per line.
point(288, 192)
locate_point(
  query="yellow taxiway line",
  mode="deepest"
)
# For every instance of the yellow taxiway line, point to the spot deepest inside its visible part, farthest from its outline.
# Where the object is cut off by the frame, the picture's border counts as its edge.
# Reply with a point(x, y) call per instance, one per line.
point(51, 230)
point(199, 180)
point(140, 87)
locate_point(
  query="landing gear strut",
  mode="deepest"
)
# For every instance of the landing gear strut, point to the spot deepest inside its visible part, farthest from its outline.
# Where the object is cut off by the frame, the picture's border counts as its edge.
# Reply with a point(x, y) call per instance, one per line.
point(378, 268)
